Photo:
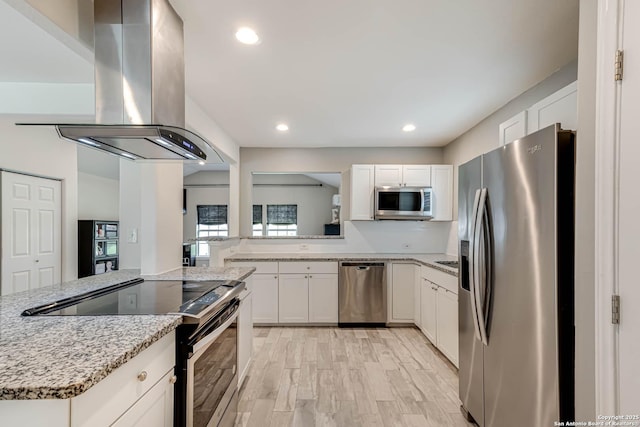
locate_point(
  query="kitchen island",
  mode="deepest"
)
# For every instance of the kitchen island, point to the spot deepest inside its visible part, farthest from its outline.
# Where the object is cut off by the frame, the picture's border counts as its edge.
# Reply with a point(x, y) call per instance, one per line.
point(61, 357)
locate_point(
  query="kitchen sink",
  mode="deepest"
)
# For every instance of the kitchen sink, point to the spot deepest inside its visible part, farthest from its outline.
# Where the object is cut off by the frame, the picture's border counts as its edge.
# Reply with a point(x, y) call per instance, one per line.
point(452, 264)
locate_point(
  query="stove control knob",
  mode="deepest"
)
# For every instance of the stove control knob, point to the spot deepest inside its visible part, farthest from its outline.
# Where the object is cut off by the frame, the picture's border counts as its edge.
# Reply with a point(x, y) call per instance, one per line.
point(142, 376)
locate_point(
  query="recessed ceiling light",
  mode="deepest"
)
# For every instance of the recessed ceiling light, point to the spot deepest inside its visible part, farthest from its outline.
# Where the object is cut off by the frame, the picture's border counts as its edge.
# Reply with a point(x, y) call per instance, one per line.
point(201, 163)
point(282, 127)
point(247, 36)
point(409, 127)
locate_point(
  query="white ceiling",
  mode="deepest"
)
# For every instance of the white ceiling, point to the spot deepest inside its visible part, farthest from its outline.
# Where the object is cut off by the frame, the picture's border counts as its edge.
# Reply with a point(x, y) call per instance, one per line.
point(352, 73)
point(340, 73)
point(30, 54)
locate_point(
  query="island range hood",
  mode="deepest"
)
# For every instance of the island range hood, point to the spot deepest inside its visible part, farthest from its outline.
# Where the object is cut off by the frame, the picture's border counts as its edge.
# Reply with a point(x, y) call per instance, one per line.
point(139, 85)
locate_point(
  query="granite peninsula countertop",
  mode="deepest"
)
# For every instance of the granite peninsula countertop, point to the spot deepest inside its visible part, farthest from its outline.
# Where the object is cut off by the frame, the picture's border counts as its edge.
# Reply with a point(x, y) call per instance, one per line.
point(425, 259)
point(62, 357)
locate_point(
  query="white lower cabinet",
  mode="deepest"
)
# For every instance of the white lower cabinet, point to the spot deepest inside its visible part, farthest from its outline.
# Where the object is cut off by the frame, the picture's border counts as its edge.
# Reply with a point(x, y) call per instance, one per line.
point(155, 408)
point(428, 310)
point(245, 336)
point(151, 371)
point(293, 291)
point(417, 300)
point(403, 279)
point(323, 298)
point(264, 286)
point(439, 311)
point(265, 298)
point(138, 393)
point(447, 322)
point(293, 298)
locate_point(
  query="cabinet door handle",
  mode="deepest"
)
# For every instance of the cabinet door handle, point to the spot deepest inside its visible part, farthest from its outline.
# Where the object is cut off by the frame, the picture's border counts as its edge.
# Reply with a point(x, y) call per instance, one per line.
point(142, 376)
point(173, 379)
point(306, 277)
point(275, 277)
point(310, 277)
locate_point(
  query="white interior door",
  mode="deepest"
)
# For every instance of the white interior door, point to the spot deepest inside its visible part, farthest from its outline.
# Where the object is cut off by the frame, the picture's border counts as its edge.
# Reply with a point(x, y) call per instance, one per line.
point(629, 206)
point(31, 232)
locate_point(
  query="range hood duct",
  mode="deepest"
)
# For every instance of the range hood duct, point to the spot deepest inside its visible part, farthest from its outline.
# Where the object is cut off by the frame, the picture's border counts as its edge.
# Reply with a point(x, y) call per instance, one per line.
point(139, 85)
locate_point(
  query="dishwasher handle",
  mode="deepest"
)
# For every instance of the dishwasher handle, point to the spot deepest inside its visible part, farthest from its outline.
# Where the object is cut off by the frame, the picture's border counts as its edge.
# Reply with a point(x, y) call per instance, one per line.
point(362, 265)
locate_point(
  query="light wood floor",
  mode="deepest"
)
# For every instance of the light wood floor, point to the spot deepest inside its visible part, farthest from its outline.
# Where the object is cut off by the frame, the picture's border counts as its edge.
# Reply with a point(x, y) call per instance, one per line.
point(348, 377)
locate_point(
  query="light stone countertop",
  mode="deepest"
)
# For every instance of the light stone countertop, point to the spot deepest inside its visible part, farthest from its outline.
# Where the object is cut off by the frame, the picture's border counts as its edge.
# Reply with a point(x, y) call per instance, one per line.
point(60, 357)
point(425, 259)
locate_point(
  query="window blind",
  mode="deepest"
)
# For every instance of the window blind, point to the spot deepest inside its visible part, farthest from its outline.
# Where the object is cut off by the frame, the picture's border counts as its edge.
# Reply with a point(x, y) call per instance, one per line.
point(282, 214)
point(257, 214)
point(212, 214)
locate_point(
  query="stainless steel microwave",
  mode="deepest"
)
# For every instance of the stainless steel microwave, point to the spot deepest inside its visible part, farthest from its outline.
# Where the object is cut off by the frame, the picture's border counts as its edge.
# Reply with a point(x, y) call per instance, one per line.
point(412, 203)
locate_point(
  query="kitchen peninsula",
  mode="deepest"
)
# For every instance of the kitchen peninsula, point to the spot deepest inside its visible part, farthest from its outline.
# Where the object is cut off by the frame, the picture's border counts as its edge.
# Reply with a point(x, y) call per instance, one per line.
point(48, 363)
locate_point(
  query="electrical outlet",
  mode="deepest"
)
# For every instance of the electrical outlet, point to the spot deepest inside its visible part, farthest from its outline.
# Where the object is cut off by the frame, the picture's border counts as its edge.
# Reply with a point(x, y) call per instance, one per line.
point(133, 235)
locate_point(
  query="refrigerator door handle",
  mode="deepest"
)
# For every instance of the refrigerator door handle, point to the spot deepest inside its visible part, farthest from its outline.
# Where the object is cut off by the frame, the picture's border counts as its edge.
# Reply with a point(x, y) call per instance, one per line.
point(473, 265)
point(481, 268)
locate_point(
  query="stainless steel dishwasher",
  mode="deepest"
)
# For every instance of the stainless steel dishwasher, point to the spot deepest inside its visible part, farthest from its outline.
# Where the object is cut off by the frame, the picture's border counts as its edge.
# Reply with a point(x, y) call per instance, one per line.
point(362, 294)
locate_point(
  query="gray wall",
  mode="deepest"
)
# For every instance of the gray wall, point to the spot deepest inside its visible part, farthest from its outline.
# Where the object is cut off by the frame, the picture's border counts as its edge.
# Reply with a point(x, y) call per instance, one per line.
point(314, 203)
point(484, 136)
point(319, 160)
point(585, 221)
point(203, 196)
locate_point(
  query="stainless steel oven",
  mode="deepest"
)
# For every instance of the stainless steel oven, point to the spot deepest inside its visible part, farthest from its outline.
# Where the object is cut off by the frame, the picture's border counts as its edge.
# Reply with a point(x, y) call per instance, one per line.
point(206, 359)
point(206, 341)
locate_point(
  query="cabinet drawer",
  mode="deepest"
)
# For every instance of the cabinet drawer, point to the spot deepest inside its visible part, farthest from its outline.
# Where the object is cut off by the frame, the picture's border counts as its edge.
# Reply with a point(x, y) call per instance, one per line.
point(102, 404)
point(326, 267)
point(440, 278)
point(262, 267)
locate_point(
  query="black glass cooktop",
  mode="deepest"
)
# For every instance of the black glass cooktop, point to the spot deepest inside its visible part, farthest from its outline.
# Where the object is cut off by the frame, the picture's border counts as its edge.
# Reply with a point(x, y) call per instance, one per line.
point(143, 297)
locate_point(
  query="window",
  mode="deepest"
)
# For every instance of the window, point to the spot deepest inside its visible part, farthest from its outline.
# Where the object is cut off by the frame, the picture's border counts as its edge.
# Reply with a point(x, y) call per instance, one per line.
point(282, 220)
point(257, 220)
point(212, 222)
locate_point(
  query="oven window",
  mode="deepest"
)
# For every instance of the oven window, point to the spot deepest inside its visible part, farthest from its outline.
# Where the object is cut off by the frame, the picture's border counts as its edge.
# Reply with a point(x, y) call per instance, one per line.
point(213, 373)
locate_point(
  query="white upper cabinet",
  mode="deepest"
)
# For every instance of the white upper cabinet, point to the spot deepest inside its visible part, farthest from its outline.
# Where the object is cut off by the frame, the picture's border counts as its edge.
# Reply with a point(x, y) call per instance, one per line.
point(416, 175)
point(402, 175)
point(362, 188)
point(514, 128)
point(388, 176)
point(560, 107)
point(442, 184)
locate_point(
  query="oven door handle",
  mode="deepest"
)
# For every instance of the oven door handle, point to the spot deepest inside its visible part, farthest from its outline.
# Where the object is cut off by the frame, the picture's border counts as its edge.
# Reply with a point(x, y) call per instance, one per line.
point(215, 334)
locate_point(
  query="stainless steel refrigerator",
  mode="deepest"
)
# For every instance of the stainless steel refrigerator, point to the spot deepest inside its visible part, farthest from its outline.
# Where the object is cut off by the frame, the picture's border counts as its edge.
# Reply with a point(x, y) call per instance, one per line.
point(516, 321)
